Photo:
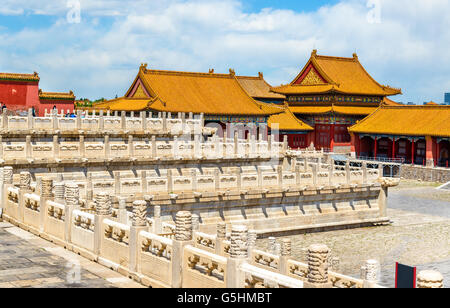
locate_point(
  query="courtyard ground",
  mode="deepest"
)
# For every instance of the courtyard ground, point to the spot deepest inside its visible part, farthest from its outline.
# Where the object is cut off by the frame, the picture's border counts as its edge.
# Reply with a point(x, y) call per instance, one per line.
point(418, 236)
point(29, 261)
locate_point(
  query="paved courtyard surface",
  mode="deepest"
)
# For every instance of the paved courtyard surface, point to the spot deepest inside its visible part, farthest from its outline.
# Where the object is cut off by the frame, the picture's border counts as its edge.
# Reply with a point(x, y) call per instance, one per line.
point(29, 261)
point(419, 235)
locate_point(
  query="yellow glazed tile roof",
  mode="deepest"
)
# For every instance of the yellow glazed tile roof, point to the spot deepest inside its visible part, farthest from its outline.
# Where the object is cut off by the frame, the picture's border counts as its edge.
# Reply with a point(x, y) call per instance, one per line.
point(311, 109)
point(257, 87)
point(56, 95)
point(123, 104)
point(287, 121)
point(20, 77)
point(342, 75)
point(407, 121)
point(208, 93)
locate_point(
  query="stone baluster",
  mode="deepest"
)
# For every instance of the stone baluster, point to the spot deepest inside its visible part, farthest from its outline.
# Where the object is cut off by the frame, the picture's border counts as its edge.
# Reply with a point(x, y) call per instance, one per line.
point(101, 122)
point(130, 146)
point(55, 120)
point(216, 179)
point(194, 180)
point(30, 118)
point(108, 113)
point(25, 180)
point(371, 273)
point(238, 255)
point(252, 237)
point(314, 174)
point(144, 121)
point(347, 172)
point(78, 119)
point(123, 120)
point(107, 147)
point(430, 280)
point(116, 113)
point(5, 119)
point(117, 183)
point(238, 174)
point(298, 178)
point(154, 147)
point(364, 171)
point(271, 245)
point(82, 147)
point(331, 173)
point(252, 146)
point(138, 224)
point(8, 175)
point(285, 255)
point(260, 177)
point(25, 187)
point(55, 147)
point(176, 148)
point(71, 202)
point(269, 144)
point(236, 145)
point(46, 195)
point(280, 176)
point(89, 189)
point(59, 191)
point(122, 214)
point(285, 144)
point(318, 267)
point(183, 237)
point(164, 123)
point(157, 228)
point(1, 147)
point(169, 181)
point(380, 170)
point(144, 182)
point(221, 235)
point(195, 222)
point(197, 147)
point(103, 210)
point(28, 148)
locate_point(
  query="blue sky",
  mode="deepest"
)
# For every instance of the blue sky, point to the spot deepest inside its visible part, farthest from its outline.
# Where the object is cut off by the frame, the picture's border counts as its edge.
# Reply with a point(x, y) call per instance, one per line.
point(401, 43)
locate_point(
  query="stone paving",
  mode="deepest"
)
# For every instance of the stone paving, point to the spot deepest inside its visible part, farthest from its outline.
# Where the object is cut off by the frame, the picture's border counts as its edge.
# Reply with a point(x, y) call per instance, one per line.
point(29, 261)
point(419, 236)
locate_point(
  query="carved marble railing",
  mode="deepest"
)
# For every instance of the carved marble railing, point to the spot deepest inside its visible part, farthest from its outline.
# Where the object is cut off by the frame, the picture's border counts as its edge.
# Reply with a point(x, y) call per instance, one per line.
point(83, 220)
point(203, 269)
point(56, 210)
point(205, 241)
point(345, 282)
point(256, 277)
point(116, 231)
point(297, 269)
point(13, 195)
point(157, 246)
point(265, 260)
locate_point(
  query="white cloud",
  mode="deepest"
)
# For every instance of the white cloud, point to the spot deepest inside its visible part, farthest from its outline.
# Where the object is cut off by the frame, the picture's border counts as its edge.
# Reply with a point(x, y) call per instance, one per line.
point(99, 57)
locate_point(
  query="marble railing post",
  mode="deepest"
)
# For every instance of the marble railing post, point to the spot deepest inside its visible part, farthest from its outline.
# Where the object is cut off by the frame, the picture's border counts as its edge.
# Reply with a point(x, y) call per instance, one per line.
point(25, 187)
point(72, 202)
point(260, 177)
point(331, 173)
point(364, 171)
point(252, 237)
point(101, 122)
point(144, 120)
point(28, 147)
point(103, 210)
point(286, 253)
point(130, 146)
point(59, 191)
point(269, 143)
point(55, 120)
point(285, 144)
point(123, 120)
point(253, 146)
point(183, 237)
point(55, 147)
point(195, 222)
point(347, 172)
point(238, 174)
point(236, 145)
point(298, 179)
point(194, 180)
point(216, 180)
point(164, 123)
point(6, 181)
point(144, 182)
point(221, 235)
point(5, 119)
point(238, 256)
point(272, 241)
point(154, 149)
point(280, 176)
point(46, 195)
point(89, 189)
point(157, 227)
point(371, 273)
point(1, 147)
point(169, 181)
point(82, 147)
point(430, 280)
point(314, 174)
point(139, 223)
point(117, 183)
point(318, 267)
point(122, 214)
point(78, 119)
point(107, 147)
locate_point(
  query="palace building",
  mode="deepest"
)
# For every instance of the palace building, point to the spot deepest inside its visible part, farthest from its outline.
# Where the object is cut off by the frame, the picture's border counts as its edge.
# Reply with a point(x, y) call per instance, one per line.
point(416, 134)
point(331, 94)
point(20, 92)
point(220, 97)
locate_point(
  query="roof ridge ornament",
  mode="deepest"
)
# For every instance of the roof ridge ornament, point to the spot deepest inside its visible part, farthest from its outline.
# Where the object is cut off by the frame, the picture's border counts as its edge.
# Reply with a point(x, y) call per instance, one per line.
point(314, 53)
point(211, 71)
point(232, 72)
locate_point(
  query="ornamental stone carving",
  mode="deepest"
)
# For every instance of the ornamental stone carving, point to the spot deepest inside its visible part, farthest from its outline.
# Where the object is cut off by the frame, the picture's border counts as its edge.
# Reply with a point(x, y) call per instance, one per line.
point(371, 270)
point(25, 180)
point(430, 280)
point(72, 194)
point(58, 190)
point(183, 226)
point(195, 222)
point(103, 204)
point(239, 242)
point(139, 213)
point(252, 237)
point(157, 211)
point(8, 175)
point(286, 249)
point(221, 230)
point(46, 188)
point(318, 264)
point(389, 182)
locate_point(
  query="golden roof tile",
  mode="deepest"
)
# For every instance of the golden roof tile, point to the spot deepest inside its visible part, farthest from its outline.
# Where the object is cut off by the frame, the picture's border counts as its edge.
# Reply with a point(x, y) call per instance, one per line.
point(19, 77)
point(257, 87)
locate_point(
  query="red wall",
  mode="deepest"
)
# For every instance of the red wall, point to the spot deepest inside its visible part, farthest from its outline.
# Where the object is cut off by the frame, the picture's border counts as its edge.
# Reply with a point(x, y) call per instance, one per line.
point(60, 105)
point(19, 95)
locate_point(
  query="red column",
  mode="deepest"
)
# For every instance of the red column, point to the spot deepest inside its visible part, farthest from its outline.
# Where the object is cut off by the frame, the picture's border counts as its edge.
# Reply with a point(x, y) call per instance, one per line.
point(376, 147)
point(332, 138)
point(393, 148)
point(430, 151)
point(413, 152)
